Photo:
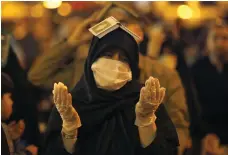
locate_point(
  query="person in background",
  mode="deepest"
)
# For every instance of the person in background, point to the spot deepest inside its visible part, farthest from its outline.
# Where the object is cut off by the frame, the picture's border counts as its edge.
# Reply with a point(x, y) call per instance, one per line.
point(109, 114)
point(65, 60)
point(11, 134)
point(175, 100)
point(25, 95)
point(211, 80)
point(172, 54)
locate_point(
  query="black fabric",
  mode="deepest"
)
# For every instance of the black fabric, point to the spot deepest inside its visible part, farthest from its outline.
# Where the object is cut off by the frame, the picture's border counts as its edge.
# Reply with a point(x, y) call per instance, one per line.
point(212, 89)
point(144, 45)
point(108, 117)
point(109, 122)
point(191, 96)
point(4, 145)
point(177, 47)
point(30, 48)
point(7, 84)
point(25, 97)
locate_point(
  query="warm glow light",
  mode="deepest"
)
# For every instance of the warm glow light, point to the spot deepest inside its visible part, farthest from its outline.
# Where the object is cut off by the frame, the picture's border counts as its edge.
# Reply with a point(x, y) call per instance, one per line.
point(64, 9)
point(184, 12)
point(197, 12)
point(37, 11)
point(20, 32)
point(143, 6)
point(13, 10)
point(52, 4)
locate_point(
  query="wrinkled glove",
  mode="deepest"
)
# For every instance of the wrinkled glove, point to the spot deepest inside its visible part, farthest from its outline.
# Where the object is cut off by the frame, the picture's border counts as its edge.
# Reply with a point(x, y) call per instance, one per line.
point(151, 96)
point(63, 103)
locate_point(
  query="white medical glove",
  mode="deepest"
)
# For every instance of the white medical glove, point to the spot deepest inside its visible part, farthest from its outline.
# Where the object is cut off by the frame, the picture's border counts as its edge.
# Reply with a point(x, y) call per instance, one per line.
point(151, 96)
point(63, 103)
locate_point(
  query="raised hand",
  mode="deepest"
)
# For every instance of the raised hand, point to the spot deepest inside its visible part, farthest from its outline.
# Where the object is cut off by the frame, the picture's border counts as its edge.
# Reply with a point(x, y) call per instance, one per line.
point(212, 145)
point(151, 96)
point(63, 103)
point(32, 149)
point(16, 129)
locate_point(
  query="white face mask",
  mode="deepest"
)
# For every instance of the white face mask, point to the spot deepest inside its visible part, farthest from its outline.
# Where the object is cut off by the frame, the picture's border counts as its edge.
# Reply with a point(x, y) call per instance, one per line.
point(111, 74)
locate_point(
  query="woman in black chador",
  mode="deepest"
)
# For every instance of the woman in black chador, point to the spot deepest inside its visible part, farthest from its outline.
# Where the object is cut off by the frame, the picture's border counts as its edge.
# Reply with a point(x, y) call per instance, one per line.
point(109, 112)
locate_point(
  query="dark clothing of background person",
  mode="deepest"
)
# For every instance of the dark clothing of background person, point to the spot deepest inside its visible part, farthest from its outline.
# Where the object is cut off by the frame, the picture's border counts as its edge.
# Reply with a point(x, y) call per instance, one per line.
point(177, 47)
point(194, 109)
point(60, 64)
point(108, 117)
point(212, 87)
point(25, 98)
point(30, 49)
point(4, 144)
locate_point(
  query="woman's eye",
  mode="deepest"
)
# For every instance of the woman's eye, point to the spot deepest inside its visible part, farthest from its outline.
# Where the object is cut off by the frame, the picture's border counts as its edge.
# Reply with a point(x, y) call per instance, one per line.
point(108, 55)
point(124, 59)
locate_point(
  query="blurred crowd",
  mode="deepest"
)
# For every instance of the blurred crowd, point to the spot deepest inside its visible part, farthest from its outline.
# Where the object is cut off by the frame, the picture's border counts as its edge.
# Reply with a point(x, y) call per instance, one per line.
point(191, 63)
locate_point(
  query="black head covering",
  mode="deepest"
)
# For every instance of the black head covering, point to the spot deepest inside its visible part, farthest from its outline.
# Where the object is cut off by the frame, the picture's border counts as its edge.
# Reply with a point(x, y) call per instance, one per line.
point(118, 39)
point(105, 111)
point(144, 44)
point(108, 117)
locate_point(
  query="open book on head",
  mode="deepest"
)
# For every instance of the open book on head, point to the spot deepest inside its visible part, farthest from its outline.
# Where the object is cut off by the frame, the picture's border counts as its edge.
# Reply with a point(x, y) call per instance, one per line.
point(108, 25)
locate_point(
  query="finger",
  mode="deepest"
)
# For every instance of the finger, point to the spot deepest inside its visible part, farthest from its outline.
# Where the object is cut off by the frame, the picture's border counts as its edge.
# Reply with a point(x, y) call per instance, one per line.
point(64, 98)
point(64, 94)
point(60, 94)
point(12, 123)
point(61, 84)
point(148, 84)
point(148, 92)
point(142, 94)
point(68, 109)
point(69, 99)
point(66, 88)
point(21, 124)
point(53, 96)
point(55, 93)
point(162, 94)
point(157, 86)
point(62, 106)
point(153, 89)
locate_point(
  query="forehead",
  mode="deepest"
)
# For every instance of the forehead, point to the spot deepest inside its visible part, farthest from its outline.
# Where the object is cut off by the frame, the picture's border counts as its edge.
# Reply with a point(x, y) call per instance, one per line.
point(114, 51)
